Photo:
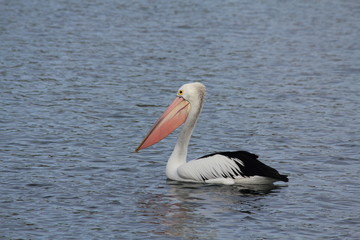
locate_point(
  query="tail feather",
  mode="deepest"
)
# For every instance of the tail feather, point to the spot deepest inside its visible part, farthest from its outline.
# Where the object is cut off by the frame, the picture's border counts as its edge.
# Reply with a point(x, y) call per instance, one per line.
point(283, 178)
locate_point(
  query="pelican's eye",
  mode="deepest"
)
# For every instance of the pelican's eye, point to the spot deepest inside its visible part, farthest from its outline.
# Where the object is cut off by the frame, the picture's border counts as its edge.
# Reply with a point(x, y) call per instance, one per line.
point(180, 92)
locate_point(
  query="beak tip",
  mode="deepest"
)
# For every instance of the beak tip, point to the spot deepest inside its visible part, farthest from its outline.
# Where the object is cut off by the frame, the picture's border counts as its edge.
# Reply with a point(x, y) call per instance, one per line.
point(137, 149)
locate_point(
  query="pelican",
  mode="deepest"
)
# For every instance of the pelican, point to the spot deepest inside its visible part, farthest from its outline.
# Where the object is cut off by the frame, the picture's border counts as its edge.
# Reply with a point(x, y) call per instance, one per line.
point(238, 167)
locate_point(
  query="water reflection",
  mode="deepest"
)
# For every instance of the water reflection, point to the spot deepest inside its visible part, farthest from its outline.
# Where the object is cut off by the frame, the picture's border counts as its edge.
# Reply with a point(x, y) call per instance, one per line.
point(191, 210)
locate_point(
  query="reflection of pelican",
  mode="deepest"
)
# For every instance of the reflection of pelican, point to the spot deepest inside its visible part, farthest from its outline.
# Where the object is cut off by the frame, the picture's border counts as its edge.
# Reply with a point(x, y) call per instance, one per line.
point(183, 190)
point(222, 167)
point(195, 211)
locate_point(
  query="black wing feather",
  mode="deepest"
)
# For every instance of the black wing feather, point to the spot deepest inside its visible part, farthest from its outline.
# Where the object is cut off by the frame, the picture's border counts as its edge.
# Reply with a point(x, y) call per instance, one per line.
point(252, 166)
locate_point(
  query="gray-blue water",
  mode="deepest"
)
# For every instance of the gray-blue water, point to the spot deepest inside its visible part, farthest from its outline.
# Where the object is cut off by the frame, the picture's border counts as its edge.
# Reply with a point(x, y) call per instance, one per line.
point(83, 81)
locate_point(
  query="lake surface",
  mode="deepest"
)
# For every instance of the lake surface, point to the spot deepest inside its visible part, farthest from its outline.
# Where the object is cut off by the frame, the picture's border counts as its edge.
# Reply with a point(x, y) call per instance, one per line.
point(83, 81)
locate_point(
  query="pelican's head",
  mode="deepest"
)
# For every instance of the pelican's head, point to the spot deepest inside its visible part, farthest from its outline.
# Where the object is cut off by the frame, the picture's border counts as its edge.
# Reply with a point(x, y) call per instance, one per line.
point(192, 92)
point(189, 97)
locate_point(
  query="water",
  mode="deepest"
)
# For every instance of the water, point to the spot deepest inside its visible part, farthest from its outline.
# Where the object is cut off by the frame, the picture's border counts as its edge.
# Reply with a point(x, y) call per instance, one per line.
point(82, 82)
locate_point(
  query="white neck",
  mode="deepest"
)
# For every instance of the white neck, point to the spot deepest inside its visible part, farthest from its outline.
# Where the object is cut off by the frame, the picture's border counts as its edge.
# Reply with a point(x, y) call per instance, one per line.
point(179, 154)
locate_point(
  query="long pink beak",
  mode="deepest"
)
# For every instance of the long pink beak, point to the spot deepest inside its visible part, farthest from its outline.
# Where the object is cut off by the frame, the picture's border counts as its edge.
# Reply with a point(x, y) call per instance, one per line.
point(172, 118)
